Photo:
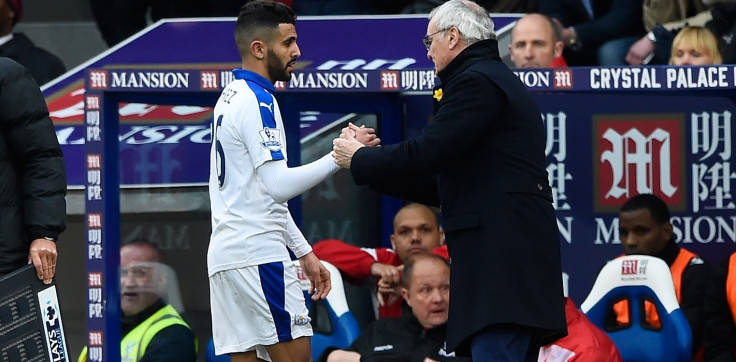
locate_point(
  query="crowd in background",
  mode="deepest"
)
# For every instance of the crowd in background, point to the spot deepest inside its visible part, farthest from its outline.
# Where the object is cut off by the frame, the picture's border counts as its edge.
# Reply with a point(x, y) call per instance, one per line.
point(606, 32)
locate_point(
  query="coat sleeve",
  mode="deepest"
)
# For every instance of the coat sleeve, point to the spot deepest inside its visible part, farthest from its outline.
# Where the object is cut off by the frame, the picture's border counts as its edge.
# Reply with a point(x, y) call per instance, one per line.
point(461, 123)
point(719, 333)
point(694, 282)
point(35, 151)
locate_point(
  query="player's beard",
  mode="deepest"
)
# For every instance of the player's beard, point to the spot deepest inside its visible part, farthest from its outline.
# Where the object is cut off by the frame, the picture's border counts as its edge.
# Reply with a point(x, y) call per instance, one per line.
point(277, 69)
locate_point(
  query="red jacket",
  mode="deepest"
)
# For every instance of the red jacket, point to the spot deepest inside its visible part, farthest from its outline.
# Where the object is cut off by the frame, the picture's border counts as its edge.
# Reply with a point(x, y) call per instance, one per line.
point(355, 264)
point(584, 341)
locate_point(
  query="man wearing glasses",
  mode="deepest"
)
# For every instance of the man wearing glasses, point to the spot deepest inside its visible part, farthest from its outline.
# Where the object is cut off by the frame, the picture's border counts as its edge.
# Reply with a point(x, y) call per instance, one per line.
point(482, 160)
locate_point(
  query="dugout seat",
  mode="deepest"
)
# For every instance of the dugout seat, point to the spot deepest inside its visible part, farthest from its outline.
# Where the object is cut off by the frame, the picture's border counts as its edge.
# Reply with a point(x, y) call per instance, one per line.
point(636, 279)
point(333, 323)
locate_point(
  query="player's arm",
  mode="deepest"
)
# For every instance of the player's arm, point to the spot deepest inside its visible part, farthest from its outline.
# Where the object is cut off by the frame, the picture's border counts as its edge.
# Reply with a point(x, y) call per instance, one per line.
point(284, 183)
point(295, 240)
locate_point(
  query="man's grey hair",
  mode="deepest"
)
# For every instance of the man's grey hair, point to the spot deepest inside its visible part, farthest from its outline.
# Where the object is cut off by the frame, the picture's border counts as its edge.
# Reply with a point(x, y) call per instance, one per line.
point(471, 19)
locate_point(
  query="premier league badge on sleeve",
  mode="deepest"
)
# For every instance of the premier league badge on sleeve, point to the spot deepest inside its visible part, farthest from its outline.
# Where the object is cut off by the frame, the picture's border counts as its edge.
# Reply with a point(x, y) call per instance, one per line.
point(270, 137)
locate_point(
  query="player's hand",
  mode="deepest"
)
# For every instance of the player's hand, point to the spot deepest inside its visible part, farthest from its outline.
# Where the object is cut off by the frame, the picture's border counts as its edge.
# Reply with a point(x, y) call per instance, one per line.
point(365, 135)
point(43, 256)
point(318, 275)
point(639, 51)
point(343, 148)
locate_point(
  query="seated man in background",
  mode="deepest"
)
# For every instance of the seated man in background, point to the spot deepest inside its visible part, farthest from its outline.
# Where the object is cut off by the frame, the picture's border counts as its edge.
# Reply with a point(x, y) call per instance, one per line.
point(416, 230)
point(418, 335)
point(42, 65)
point(645, 229)
point(536, 43)
point(719, 335)
point(152, 329)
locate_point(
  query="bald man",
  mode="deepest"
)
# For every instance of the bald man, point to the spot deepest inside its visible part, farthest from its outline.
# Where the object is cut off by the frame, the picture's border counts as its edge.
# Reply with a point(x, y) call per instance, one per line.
point(536, 43)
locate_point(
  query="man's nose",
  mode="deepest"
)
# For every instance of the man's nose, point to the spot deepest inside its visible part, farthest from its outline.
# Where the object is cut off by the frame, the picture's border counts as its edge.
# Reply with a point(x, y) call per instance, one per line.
point(529, 52)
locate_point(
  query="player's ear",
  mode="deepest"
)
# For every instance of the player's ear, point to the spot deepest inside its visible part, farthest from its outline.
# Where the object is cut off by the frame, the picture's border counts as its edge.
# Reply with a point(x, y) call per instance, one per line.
point(258, 49)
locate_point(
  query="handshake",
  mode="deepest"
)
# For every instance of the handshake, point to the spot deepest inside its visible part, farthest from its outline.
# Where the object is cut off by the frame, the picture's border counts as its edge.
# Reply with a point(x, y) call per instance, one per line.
point(351, 139)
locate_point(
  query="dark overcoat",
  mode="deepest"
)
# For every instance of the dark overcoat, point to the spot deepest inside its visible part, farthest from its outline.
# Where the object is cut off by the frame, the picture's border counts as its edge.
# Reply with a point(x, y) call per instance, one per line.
point(482, 160)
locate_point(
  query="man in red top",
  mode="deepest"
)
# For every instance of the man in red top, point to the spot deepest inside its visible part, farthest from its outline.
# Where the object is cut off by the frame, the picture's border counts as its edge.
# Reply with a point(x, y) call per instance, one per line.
point(536, 43)
point(416, 230)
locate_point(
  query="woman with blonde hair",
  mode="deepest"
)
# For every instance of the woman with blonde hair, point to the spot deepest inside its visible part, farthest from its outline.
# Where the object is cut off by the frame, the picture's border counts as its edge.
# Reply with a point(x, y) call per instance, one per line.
point(695, 45)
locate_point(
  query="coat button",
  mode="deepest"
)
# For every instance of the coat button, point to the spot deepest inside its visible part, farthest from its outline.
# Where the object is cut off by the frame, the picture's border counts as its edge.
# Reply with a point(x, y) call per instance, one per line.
point(539, 186)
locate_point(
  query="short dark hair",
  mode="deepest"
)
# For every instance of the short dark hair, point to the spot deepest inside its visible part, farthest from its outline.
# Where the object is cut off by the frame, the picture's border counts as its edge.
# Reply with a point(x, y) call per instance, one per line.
point(406, 275)
point(657, 207)
point(259, 15)
point(146, 243)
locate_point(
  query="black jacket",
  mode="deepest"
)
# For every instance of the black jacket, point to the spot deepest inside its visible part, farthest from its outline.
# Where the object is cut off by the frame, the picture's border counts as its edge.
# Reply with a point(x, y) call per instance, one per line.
point(43, 65)
point(32, 171)
point(719, 336)
point(400, 339)
point(481, 158)
point(692, 290)
point(611, 19)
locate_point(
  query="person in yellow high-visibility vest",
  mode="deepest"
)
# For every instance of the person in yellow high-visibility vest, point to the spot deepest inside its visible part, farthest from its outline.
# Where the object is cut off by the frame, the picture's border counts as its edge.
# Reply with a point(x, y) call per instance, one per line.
point(152, 328)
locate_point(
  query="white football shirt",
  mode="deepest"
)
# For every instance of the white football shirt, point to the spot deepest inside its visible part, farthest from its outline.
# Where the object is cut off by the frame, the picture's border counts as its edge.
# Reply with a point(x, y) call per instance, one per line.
point(248, 226)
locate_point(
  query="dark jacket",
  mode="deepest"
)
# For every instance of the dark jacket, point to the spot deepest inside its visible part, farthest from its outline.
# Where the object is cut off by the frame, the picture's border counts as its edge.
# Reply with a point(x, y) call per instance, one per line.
point(481, 158)
point(611, 19)
point(43, 65)
point(400, 339)
point(32, 171)
point(719, 336)
point(692, 290)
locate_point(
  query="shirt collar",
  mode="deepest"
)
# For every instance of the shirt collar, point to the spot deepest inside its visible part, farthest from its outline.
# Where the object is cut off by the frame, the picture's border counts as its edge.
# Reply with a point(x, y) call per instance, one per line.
point(254, 77)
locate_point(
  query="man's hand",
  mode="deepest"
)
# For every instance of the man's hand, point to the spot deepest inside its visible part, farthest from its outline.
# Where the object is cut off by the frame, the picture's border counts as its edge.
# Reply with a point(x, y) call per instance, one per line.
point(365, 135)
point(389, 282)
point(319, 276)
point(639, 51)
point(389, 273)
point(341, 355)
point(388, 292)
point(344, 147)
point(43, 257)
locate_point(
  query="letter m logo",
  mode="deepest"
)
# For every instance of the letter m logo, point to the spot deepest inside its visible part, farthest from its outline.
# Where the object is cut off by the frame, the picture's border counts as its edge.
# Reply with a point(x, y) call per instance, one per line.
point(635, 154)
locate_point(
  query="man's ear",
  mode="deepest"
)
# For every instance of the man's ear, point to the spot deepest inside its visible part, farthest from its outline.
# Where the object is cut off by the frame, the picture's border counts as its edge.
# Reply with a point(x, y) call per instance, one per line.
point(667, 230)
point(405, 295)
point(559, 47)
point(454, 37)
point(258, 49)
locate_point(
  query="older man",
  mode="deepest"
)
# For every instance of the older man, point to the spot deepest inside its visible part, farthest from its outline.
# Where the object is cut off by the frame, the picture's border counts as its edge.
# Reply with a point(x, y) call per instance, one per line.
point(482, 159)
point(536, 43)
point(416, 230)
point(418, 335)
